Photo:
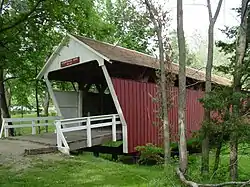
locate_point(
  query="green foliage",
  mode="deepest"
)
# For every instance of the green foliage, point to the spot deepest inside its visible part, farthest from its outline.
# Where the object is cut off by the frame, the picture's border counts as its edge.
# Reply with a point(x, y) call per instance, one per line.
point(30, 30)
point(223, 102)
point(192, 144)
point(229, 105)
point(150, 154)
point(192, 59)
point(130, 27)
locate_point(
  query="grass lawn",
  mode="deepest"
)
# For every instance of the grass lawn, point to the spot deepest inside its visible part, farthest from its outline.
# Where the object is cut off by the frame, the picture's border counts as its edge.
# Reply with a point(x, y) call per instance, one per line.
point(87, 171)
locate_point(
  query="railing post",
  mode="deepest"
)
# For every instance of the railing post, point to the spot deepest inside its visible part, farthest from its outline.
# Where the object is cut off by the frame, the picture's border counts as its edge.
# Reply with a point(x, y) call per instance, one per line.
point(58, 138)
point(6, 130)
point(33, 132)
point(2, 128)
point(114, 128)
point(89, 139)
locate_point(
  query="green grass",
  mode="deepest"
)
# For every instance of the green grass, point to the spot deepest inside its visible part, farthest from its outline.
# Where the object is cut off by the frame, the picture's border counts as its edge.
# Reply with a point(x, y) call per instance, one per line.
point(222, 173)
point(86, 171)
point(89, 171)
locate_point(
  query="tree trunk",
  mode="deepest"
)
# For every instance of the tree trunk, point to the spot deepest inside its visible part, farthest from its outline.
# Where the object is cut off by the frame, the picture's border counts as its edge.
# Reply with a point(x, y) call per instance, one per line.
point(217, 156)
point(182, 89)
point(240, 53)
point(8, 97)
point(1, 119)
point(37, 102)
point(46, 108)
point(208, 88)
point(158, 25)
point(4, 107)
point(208, 85)
point(167, 152)
point(233, 156)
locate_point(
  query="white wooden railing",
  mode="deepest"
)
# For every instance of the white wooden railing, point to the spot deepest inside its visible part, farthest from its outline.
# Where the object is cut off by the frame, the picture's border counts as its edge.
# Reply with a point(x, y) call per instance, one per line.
point(84, 123)
point(25, 123)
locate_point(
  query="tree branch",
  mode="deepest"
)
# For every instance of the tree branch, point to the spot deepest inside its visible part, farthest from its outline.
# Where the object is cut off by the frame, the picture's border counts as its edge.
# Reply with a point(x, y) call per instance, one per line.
point(245, 79)
point(1, 7)
point(22, 18)
point(194, 184)
point(9, 78)
point(151, 13)
point(217, 10)
point(195, 4)
point(184, 180)
point(209, 10)
point(248, 182)
point(244, 6)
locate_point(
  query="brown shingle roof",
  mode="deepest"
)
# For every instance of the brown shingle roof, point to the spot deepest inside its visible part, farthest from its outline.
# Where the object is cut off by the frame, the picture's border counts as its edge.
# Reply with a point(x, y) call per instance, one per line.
point(116, 53)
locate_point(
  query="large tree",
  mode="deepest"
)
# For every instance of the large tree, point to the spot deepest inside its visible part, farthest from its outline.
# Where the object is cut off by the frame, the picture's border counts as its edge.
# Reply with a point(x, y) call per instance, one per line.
point(232, 103)
point(28, 32)
point(237, 85)
point(129, 26)
point(31, 29)
point(208, 85)
point(159, 19)
point(182, 89)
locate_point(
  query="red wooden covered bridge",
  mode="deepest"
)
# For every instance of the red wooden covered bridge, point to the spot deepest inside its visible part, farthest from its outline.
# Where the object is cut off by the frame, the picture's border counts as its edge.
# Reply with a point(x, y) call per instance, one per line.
point(114, 96)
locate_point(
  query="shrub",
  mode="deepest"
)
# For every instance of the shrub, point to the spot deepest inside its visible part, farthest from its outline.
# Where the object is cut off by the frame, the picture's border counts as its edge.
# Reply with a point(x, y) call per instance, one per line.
point(194, 145)
point(150, 154)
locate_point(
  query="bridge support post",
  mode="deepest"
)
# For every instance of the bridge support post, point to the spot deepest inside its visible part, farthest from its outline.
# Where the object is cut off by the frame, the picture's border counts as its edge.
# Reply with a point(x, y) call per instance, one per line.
point(6, 132)
point(33, 132)
point(58, 139)
point(114, 128)
point(89, 138)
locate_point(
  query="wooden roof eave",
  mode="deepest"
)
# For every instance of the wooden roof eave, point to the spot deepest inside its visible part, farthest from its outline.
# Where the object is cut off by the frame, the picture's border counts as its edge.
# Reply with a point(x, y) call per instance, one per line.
point(59, 47)
point(51, 58)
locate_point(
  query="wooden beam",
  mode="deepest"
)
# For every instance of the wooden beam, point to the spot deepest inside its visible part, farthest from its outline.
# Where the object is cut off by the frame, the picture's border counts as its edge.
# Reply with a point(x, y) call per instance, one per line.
point(51, 58)
point(52, 94)
point(80, 101)
point(118, 107)
point(114, 128)
point(33, 128)
point(89, 138)
point(90, 49)
point(2, 128)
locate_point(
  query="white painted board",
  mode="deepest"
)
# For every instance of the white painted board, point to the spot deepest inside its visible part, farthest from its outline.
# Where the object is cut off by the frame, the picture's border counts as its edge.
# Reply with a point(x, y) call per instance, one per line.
point(68, 104)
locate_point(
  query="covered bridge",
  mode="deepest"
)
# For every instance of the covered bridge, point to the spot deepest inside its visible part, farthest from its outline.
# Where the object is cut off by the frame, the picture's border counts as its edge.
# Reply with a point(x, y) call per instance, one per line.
point(125, 87)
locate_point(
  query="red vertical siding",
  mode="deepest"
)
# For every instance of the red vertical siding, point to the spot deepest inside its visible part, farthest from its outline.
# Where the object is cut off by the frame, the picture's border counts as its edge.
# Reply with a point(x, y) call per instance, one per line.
point(139, 109)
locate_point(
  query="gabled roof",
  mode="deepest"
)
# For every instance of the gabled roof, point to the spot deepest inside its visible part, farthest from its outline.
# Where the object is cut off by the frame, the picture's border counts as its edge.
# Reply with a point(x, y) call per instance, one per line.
point(113, 53)
point(117, 53)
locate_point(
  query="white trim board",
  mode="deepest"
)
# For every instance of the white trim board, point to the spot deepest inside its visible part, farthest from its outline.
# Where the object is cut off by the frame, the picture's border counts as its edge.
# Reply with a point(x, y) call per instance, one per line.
point(69, 48)
point(52, 95)
point(118, 108)
point(52, 56)
point(91, 49)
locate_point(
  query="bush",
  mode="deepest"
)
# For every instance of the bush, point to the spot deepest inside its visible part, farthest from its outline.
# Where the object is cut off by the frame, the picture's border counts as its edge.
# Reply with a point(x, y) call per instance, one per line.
point(193, 146)
point(150, 154)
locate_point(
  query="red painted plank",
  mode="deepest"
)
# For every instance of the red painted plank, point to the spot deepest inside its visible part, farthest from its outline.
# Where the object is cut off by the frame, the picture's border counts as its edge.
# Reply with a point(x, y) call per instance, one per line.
point(139, 111)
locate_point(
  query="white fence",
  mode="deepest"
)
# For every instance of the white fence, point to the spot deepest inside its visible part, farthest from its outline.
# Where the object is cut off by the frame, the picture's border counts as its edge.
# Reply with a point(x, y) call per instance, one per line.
point(25, 123)
point(88, 123)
